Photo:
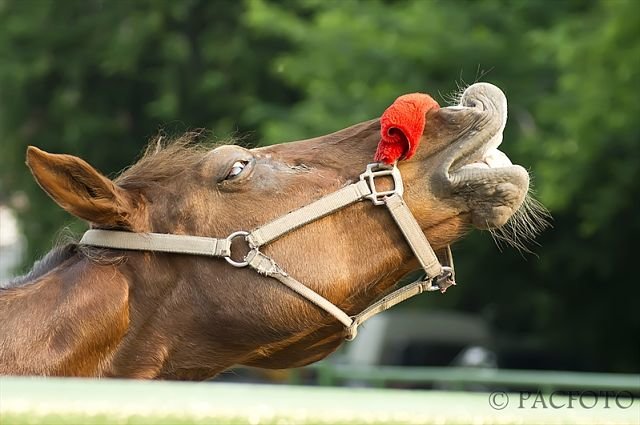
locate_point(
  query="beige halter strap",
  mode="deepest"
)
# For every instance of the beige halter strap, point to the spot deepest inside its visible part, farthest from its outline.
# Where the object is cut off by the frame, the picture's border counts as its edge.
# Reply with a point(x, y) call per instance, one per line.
point(437, 276)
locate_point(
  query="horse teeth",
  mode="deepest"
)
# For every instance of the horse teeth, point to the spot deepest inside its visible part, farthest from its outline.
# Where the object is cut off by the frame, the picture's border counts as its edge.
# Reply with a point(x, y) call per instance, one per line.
point(496, 159)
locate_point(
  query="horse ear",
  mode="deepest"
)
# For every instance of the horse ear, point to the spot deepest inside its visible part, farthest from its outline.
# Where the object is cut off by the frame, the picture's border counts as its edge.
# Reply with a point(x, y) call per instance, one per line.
point(81, 190)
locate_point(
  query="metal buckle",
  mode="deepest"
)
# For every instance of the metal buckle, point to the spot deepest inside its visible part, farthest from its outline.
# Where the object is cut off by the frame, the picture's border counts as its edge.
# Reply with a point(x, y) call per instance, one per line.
point(230, 238)
point(443, 281)
point(379, 170)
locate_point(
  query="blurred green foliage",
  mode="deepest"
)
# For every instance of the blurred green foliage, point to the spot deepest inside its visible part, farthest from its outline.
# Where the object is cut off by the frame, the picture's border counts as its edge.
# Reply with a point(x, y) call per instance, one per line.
point(97, 79)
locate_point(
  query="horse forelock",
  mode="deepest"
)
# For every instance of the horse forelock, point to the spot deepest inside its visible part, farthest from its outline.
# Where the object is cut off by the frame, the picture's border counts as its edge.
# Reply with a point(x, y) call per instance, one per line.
point(164, 159)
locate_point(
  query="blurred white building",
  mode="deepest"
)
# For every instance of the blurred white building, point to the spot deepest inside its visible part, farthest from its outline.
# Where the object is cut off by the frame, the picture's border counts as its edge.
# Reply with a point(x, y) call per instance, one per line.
point(11, 243)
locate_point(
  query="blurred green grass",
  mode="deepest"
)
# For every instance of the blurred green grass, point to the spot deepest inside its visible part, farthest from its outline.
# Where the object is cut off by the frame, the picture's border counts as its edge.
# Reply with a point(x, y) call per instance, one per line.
point(93, 402)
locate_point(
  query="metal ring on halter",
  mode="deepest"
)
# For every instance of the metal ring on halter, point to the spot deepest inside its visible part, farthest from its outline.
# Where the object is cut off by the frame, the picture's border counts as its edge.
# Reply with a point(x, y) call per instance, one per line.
point(230, 238)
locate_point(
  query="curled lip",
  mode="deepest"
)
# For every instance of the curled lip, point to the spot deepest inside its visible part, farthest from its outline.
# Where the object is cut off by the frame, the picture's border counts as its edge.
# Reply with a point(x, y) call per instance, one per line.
point(475, 154)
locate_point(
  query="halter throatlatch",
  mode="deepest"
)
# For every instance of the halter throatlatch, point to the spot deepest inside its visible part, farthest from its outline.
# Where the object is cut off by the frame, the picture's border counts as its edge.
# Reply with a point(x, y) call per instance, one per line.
point(438, 277)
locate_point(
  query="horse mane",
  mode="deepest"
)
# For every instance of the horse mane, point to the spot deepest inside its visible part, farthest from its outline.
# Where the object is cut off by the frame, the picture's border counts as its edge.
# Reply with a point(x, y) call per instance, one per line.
point(53, 259)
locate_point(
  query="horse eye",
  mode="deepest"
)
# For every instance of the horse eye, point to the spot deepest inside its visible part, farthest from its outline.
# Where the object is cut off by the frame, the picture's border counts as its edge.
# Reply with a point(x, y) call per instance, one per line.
point(236, 169)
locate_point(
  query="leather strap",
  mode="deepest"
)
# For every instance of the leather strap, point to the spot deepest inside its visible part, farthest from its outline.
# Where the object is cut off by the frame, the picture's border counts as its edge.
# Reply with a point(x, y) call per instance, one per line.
point(180, 244)
point(386, 302)
point(414, 235)
point(311, 212)
point(267, 267)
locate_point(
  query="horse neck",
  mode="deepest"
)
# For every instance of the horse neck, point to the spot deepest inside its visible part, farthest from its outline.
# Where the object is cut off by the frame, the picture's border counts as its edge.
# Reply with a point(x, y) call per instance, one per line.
point(64, 321)
point(93, 314)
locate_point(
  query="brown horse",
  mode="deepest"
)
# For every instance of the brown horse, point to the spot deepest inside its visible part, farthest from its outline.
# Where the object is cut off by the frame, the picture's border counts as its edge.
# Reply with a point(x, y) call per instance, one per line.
point(85, 311)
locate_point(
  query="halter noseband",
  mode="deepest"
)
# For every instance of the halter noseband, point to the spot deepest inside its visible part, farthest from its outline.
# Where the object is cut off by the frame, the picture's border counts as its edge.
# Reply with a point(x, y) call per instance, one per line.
point(437, 276)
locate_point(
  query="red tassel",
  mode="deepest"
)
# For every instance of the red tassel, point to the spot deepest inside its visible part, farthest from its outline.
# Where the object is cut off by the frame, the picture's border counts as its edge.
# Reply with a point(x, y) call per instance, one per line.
point(402, 125)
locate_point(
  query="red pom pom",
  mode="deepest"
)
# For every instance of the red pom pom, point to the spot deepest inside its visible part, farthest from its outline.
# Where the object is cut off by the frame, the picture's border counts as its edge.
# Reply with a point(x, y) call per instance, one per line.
point(402, 125)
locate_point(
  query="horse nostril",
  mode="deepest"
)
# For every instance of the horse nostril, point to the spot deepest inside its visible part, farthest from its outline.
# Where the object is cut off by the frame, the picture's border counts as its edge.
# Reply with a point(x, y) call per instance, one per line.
point(473, 103)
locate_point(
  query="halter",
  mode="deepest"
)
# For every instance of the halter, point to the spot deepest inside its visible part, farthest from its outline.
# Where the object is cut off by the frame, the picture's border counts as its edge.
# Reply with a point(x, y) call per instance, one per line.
point(437, 277)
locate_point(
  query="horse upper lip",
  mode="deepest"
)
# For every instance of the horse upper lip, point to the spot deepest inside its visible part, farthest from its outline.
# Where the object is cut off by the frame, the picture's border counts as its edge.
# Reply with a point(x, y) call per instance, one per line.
point(477, 147)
